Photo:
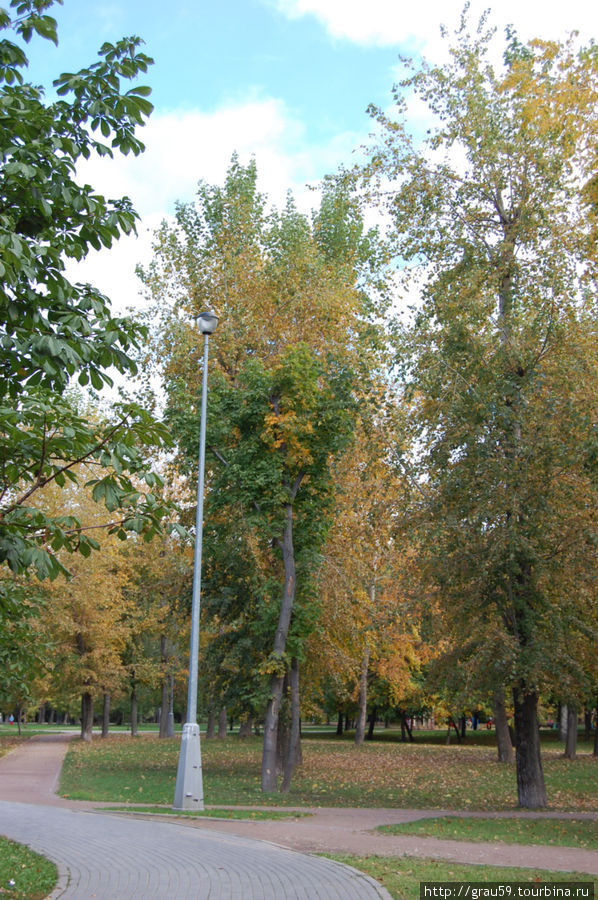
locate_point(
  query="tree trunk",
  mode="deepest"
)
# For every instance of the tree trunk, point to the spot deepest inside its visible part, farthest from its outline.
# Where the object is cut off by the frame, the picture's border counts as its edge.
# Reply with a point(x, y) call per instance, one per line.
point(452, 724)
point(372, 725)
point(41, 714)
point(284, 726)
point(363, 698)
point(170, 724)
point(405, 727)
point(284, 729)
point(133, 713)
point(530, 778)
point(595, 753)
point(339, 723)
point(246, 727)
point(106, 715)
point(563, 720)
point(280, 641)
point(294, 747)
point(571, 744)
point(299, 745)
point(211, 729)
point(531, 790)
point(86, 716)
point(164, 704)
point(222, 722)
point(503, 735)
point(587, 724)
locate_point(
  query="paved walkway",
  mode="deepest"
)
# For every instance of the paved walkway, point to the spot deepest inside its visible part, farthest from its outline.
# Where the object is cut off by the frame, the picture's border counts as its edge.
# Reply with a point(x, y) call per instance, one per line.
point(29, 776)
point(111, 857)
point(350, 831)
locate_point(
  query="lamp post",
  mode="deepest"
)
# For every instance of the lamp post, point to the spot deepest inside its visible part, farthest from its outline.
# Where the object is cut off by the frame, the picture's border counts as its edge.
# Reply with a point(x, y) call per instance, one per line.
point(188, 792)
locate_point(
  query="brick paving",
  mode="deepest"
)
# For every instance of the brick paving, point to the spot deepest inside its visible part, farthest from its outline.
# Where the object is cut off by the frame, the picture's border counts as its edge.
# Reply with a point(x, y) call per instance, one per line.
point(112, 858)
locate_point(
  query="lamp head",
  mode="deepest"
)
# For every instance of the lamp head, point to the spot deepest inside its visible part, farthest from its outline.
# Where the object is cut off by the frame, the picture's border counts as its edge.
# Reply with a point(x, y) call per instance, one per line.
point(207, 322)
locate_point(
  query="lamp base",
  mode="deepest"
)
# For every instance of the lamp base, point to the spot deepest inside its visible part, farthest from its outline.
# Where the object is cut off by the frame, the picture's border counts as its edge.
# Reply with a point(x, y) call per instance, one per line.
point(188, 793)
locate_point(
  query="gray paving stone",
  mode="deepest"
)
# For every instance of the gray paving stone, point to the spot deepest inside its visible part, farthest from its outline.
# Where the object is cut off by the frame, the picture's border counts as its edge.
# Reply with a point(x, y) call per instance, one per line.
point(108, 857)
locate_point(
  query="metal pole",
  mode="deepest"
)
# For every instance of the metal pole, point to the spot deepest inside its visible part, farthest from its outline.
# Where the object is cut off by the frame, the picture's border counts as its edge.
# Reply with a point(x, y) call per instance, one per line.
point(196, 596)
point(188, 793)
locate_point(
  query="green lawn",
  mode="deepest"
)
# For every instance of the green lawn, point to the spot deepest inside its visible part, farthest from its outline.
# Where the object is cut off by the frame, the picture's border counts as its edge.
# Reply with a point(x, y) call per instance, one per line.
point(401, 875)
point(560, 832)
point(24, 875)
point(334, 773)
point(212, 813)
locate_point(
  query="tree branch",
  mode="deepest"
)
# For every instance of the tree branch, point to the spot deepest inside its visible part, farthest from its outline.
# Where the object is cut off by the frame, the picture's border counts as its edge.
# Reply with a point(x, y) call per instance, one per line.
point(41, 482)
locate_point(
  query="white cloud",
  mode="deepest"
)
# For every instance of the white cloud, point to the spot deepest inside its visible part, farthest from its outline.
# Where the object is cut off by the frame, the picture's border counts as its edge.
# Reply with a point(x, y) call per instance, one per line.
point(390, 22)
point(184, 147)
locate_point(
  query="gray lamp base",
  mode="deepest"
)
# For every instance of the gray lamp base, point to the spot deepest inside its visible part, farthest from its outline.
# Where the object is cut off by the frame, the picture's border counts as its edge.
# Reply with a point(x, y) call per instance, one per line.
point(188, 793)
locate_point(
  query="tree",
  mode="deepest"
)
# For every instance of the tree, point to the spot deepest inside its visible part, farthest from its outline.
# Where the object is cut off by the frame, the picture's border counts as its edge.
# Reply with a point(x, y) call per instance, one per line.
point(52, 330)
point(235, 584)
point(156, 617)
point(83, 616)
point(24, 655)
point(368, 626)
point(45, 440)
point(292, 330)
point(500, 356)
point(279, 430)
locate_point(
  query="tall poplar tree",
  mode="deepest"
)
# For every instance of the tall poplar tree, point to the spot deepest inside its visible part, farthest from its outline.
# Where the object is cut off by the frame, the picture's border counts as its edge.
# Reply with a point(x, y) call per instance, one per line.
point(291, 297)
point(495, 233)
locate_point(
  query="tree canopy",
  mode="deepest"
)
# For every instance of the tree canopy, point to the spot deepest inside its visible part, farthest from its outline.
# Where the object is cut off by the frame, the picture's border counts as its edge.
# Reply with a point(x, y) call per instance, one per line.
point(491, 222)
point(51, 329)
point(294, 332)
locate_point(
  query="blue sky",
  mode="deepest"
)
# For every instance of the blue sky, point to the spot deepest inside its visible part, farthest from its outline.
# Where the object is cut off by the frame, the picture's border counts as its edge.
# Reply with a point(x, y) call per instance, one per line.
point(208, 55)
point(287, 81)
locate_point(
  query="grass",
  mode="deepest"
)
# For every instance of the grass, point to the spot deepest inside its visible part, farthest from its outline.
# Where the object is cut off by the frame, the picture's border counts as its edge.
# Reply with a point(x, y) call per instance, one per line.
point(401, 875)
point(241, 814)
point(24, 875)
point(582, 833)
point(334, 773)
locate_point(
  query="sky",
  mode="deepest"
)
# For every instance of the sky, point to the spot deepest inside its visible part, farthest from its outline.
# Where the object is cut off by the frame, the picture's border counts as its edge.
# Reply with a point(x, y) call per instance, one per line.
point(285, 81)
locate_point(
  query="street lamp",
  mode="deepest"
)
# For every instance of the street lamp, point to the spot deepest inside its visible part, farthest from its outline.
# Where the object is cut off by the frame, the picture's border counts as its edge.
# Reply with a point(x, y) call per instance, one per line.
point(188, 792)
